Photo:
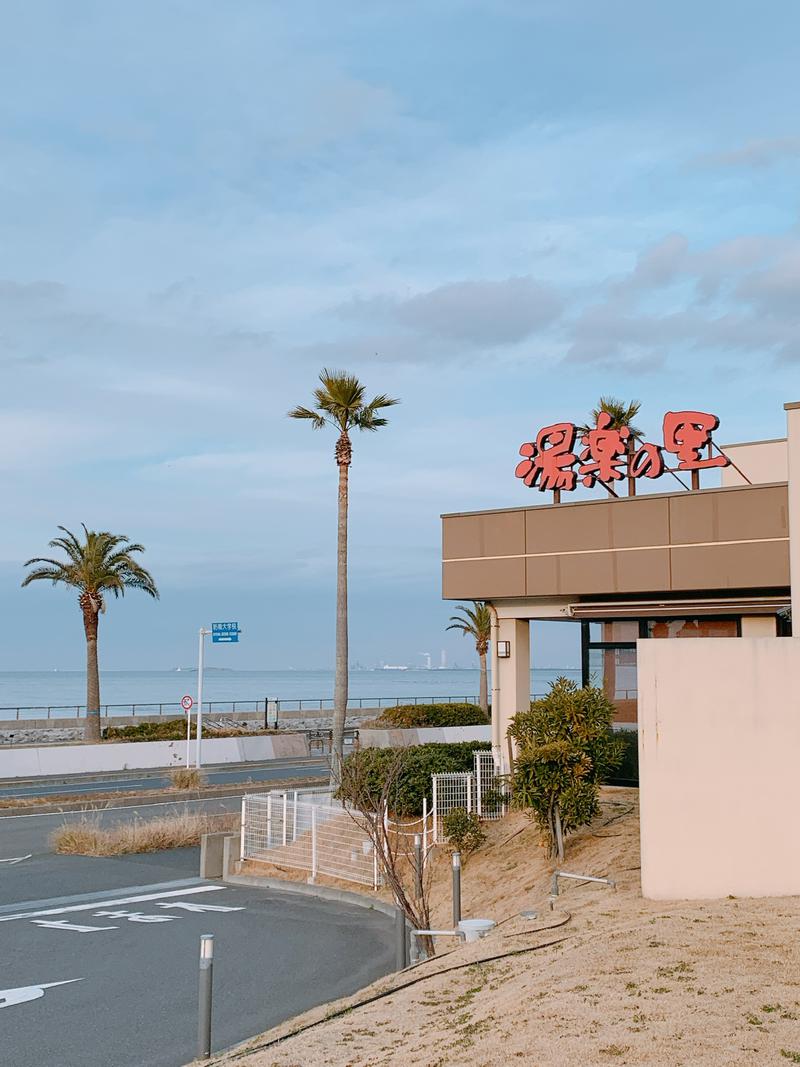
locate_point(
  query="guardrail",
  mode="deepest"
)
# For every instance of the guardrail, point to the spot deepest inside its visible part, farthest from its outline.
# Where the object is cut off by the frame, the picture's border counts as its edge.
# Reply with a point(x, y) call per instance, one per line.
point(262, 705)
point(266, 706)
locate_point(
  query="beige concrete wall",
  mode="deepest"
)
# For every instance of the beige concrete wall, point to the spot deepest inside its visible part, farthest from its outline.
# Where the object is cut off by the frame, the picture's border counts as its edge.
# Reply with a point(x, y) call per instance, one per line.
point(761, 461)
point(793, 438)
point(719, 737)
point(514, 680)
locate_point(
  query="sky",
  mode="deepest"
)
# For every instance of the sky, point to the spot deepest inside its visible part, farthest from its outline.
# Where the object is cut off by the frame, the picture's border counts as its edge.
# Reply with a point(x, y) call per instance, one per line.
point(494, 210)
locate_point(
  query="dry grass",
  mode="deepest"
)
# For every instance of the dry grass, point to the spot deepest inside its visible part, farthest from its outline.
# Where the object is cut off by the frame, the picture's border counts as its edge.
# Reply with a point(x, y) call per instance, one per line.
point(87, 837)
point(631, 981)
point(187, 778)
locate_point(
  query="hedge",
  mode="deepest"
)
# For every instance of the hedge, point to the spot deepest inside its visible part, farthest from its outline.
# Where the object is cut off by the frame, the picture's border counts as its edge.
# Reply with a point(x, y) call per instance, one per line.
point(628, 771)
point(412, 716)
point(369, 767)
point(168, 730)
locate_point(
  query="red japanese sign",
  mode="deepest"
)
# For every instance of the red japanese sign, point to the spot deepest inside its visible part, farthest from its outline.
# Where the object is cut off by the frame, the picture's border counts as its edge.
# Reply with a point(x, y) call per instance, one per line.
point(612, 453)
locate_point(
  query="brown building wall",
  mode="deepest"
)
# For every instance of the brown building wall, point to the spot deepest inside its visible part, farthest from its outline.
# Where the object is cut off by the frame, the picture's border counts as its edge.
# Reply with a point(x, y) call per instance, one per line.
point(730, 538)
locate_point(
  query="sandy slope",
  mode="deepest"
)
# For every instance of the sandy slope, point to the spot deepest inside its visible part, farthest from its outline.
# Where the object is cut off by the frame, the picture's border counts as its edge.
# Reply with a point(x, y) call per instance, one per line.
point(627, 981)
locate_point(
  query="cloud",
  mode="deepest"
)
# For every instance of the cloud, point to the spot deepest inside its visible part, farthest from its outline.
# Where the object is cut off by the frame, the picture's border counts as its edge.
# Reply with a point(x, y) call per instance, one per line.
point(738, 297)
point(759, 153)
point(479, 314)
point(483, 312)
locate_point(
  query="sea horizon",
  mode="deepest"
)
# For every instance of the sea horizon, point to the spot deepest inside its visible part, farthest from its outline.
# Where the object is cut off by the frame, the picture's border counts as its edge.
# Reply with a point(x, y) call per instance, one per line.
point(66, 688)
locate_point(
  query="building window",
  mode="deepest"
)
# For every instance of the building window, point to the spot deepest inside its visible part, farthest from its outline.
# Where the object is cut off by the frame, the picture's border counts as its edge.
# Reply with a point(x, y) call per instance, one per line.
point(700, 627)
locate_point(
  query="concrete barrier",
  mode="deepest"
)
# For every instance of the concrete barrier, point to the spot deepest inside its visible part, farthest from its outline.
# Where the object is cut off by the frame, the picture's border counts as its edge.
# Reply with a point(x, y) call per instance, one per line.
point(143, 755)
point(369, 738)
point(212, 852)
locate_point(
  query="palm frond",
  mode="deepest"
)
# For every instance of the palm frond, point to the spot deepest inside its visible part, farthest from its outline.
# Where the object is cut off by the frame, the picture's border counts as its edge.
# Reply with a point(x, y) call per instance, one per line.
point(339, 401)
point(306, 413)
point(53, 574)
point(103, 561)
point(622, 414)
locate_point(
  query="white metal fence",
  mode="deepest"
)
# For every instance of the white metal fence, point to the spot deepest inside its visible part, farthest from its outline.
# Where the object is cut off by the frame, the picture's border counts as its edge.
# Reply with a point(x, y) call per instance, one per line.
point(480, 791)
point(310, 832)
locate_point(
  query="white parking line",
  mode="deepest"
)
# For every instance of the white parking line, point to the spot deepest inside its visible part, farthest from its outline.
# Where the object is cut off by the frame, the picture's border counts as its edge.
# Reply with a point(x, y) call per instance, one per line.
point(96, 904)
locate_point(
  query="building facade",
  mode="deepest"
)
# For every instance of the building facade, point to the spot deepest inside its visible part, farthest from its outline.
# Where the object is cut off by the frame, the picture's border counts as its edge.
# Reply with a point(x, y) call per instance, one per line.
point(693, 563)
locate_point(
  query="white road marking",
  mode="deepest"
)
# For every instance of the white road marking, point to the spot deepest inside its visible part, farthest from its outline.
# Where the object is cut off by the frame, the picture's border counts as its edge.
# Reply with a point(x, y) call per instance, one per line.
point(21, 994)
point(198, 907)
point(136, 916)
point(94, 905)
point(16, 859)
point(62, 924)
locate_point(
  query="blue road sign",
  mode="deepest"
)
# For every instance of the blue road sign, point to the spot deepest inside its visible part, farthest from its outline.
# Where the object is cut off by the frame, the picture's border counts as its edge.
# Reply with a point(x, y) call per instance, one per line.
point(226, 633)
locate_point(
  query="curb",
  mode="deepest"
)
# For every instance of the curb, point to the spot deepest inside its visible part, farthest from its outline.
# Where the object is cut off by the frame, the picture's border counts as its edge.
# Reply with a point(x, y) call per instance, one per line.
point(141, 800)
point(322, 892)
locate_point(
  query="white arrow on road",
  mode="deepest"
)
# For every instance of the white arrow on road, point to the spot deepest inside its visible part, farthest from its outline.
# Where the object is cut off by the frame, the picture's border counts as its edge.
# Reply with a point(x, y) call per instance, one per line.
point(9, 997)
point(17, 859)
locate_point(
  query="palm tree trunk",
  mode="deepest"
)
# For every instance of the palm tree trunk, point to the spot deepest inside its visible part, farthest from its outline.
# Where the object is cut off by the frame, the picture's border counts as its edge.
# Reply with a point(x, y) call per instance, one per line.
point(92, 731)
point(340, 684)
point(483, 698)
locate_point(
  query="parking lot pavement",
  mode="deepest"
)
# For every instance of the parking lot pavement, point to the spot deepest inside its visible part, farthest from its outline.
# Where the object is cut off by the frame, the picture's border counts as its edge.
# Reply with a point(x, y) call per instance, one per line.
point(109, 979)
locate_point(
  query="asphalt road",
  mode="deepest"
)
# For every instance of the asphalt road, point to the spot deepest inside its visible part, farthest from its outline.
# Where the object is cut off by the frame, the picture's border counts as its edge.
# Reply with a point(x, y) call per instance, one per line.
point(136, 781)
point(129, 966)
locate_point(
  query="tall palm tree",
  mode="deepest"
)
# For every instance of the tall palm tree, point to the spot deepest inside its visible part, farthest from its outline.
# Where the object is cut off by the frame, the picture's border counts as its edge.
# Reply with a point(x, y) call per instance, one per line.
point(476, 622)
point(339, 402)
point(102, 562)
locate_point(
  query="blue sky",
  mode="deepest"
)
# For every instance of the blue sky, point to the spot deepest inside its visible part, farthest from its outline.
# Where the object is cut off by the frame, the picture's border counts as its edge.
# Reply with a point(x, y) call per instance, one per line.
point(492, 209)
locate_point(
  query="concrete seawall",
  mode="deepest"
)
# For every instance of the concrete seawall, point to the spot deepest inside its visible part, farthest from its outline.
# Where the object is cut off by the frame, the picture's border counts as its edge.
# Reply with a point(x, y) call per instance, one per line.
point(36, 760)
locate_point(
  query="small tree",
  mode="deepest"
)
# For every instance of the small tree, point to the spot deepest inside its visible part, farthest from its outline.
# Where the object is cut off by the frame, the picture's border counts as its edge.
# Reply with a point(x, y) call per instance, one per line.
point(566, 748)
point(370, 804)
point(463, 831)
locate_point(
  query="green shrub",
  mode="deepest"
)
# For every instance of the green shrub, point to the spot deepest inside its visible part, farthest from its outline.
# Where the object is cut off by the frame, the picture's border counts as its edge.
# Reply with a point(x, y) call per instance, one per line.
point(566, 749)
point(627, 773)
point(163, 730)
point(412, 716)
point(168, 730)
point(366, 771)
point(463, 830)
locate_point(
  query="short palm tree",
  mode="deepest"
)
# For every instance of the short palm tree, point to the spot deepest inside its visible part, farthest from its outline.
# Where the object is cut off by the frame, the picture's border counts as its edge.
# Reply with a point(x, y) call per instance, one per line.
point(621, 414)
point(103, 562)
point(476, 622)
point(339, 402)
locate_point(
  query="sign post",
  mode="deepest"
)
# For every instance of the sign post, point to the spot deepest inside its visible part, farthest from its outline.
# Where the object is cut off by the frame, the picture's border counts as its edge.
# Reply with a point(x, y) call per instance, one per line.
point(187, 704)
point(222, 633)
point(203, 634)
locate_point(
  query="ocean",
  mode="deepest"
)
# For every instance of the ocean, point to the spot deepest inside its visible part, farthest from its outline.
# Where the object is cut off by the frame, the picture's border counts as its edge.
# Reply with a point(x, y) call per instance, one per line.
point(67, 689)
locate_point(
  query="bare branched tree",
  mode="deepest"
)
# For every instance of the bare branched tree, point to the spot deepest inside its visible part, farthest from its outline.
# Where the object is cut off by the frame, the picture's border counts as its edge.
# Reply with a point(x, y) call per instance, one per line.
point(371, 808)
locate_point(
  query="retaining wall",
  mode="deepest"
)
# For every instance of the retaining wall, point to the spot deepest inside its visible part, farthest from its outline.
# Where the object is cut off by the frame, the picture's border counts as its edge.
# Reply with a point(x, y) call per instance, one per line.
point(369, 738)
point(142, 755)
